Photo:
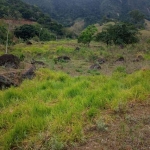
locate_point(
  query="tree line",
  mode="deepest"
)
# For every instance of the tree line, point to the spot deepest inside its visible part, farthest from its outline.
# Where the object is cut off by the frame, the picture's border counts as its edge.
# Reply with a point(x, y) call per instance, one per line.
point(120, 33)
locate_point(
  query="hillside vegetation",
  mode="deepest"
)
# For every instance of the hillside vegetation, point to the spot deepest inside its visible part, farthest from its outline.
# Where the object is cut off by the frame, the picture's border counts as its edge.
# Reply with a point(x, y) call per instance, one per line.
point(15, 13)
point(68, 103)
point(63, 92)
point(92, 11)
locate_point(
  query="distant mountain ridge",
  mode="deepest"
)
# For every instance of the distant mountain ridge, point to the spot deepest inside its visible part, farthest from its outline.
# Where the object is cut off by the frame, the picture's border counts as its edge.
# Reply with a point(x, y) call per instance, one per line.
point(18, 9)
point(67, 11)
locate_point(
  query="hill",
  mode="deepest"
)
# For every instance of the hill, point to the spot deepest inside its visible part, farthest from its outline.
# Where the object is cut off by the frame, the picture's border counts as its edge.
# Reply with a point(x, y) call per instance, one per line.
point(18, 10)
point(67, 11)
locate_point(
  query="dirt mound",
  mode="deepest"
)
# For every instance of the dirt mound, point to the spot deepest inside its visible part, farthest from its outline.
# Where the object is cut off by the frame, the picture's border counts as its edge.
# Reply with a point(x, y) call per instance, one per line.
point(9, 61)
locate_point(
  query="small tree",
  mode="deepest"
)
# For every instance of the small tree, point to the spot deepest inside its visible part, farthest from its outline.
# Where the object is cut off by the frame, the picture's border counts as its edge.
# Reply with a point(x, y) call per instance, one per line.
point(6, 35)
point(120, 33)
point(87, 35)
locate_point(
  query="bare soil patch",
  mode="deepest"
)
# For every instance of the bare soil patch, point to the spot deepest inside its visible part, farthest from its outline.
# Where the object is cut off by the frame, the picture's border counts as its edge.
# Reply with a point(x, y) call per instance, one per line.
point(126, 131)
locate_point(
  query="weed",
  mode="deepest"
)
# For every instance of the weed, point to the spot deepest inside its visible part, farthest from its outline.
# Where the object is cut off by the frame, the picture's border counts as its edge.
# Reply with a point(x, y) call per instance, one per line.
point(101, 125)
point(120, 69)
point(63, 50)
point(55, 144)
point(79, 70)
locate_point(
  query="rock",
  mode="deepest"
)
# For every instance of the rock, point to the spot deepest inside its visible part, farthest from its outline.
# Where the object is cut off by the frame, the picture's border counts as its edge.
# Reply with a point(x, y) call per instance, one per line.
point(122, 46)
point(13, 77)
point(29, 43)
point(121, 58)
point(138, 58)
point(77, 49)
point(95, 67)
point(62, 59)
point(101, 60)
point(9, 61)
point(4, 82)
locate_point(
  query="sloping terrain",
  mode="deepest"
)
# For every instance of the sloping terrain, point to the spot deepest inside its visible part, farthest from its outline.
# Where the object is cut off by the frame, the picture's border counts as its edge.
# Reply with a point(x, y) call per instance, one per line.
point(123, 131)
point(18, 11)
point(95, 97)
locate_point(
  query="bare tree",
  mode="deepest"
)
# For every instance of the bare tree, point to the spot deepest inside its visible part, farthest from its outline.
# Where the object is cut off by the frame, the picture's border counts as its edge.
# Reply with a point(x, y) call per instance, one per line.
point(8, 30)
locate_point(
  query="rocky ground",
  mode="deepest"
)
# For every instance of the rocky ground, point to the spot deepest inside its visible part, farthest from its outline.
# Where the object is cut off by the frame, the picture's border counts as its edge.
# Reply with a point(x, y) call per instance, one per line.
point(12, 71)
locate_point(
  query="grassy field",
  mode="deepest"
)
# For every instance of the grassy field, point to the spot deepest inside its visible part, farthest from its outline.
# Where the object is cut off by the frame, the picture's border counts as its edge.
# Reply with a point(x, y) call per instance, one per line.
point(65, 100)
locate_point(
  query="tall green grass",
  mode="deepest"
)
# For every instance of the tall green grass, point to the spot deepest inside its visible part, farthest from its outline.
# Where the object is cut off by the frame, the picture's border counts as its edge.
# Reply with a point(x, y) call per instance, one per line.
point(60, 106)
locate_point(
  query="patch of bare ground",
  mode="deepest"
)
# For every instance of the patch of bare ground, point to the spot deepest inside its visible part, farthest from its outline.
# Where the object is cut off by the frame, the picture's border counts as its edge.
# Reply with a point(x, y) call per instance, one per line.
point(125, 131)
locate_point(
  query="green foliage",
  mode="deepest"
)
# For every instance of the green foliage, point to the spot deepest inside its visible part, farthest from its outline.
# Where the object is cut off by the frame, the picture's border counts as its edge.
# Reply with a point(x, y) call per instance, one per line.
point(87, 35)
point(121, 69)
point(47, 36)
point(120, 33)
point(91, 11)
point(29, 31)
point(17, 9)
point(25, 32)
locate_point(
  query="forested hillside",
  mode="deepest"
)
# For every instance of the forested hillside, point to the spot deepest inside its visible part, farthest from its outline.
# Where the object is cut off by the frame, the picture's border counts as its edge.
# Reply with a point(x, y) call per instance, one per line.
point(16, 9)
point(66, 11)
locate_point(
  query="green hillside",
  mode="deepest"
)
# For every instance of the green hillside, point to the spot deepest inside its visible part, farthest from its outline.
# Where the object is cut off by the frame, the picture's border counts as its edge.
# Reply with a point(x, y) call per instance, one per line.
point(18, 10)
point(67, 11)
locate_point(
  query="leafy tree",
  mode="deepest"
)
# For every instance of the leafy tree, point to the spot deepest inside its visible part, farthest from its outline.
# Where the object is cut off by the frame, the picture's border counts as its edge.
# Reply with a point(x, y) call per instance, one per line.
point(26, 32)
point(120, 33)
point(87, 35)
point(105, 37)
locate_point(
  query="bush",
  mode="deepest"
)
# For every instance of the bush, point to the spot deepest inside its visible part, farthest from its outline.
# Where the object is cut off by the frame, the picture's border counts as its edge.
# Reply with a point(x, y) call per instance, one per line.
point(26, 32)
point(87, 35)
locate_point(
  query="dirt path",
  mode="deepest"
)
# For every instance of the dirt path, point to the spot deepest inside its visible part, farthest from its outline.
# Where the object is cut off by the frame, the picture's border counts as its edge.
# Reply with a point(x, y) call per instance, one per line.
point(126, 131)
